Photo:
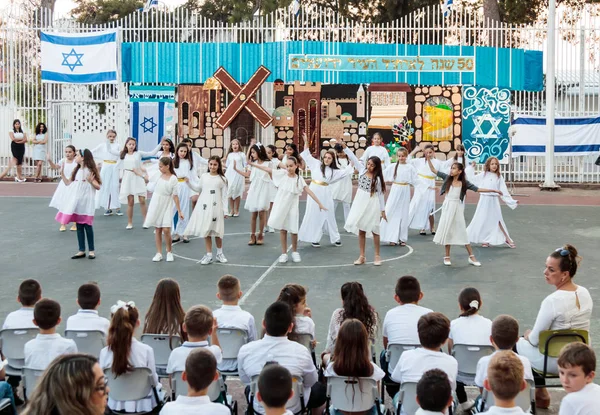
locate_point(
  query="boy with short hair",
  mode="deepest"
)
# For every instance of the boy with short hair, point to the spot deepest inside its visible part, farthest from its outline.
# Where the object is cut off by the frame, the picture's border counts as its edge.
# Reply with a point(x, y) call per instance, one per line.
point(434, 394)
point(505, 381)
point(274, 389)
point(47, 345)
point(577, 368)
point(200, 372)
point(87, 318)
point(30, 293)
point(231, 316)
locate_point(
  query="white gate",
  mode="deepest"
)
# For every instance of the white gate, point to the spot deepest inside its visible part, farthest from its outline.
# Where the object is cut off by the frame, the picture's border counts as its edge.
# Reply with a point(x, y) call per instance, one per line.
point(60, 117)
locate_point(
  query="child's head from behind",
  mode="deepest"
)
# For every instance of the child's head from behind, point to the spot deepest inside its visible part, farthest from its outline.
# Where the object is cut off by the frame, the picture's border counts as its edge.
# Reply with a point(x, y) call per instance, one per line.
point(125, 319)
point(200, 369)
point(434, 329)
point(274, 386)
point(408, 290)
point(576, 366)
point(278, 319)
point(229, 290)
point(505, 332)
point(351, 356)
point(505, 375)
point(469, 301)
point(198, 322)
point(434, 392)
point(295, 296)
point(88, 296)
point(30, 292)
point(46, 314)
point(165, 314)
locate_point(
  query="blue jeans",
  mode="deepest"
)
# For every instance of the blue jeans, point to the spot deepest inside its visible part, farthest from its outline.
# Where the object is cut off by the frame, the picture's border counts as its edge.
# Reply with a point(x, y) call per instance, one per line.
point(6, 392)
point(84, 230)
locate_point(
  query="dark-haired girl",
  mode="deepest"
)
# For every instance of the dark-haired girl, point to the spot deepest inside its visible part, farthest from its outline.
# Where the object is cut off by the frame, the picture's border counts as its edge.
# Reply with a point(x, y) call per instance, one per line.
point(167, 149)
point(66, 165)
point(17, 147)
point(186, 172)
point(291, 150)
point(452, 229)
point(294, 295)
point(39, 149)
point(79, 204)
point(236, 183)
point(368, 207)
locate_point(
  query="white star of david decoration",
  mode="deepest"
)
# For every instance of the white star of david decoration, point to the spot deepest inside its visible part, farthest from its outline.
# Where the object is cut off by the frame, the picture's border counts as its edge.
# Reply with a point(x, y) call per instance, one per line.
point(492, 123)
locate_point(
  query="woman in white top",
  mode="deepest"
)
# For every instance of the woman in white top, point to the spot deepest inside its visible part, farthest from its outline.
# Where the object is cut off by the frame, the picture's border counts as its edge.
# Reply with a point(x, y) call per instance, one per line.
point(569, 307)
point(17, 147)
point(39, 149)
point(66, 165)
point(108, 196)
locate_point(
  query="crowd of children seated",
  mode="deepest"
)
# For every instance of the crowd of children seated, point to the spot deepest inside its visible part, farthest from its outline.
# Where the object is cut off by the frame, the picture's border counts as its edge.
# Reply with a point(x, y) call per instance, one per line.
point(269, 365)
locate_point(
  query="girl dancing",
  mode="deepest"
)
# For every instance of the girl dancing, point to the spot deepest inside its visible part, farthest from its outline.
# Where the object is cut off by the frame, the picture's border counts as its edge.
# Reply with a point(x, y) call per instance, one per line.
point(236, 183)
point(423, 201)
point(66, 165)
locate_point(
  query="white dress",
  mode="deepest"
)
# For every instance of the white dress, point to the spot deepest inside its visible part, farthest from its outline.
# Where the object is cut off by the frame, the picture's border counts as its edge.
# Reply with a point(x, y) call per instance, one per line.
point(377, 151)
point(59, 193)
point(208, 218)
point(79, 202)
point(285, 214)
point(185, 192)
point(423, 201)
point(398, 203)
point(316, 221)
point(39, 150)
point(258, 198)
point(469, 171)
point(342, 189)
point(108, 195)
point(235, 181)
point(160, 210)
point(272, 188)
point(151, 165)
point(365, 213)
point(452, 229)
point(485, 225)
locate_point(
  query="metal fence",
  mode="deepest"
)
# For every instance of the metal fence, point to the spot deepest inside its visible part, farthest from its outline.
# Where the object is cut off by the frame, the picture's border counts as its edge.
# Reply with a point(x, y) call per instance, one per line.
point(84, 113)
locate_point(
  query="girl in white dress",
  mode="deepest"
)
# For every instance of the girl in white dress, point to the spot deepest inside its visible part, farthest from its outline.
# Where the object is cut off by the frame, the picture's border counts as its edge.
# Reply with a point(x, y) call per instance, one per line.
point(452, 229)
point(208, 218)
point(423, 201)
point(291, 150)
point(79, 203)
point(258, 198)
point(285, 215)
point(185, 170)
point(235, 182)
point(271, 151)
point(39, 149)
point(108, 196)
point(167, 149)
point(368, 207)
point(323, 173)
point(160, 212)
point(459, 157)
point(342, 189)
point(377, 149)
point(66, 165)
point(487, 226)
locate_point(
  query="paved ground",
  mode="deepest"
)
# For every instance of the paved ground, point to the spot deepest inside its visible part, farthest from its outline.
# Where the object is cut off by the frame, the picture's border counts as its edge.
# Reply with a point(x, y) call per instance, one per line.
point(510, 281)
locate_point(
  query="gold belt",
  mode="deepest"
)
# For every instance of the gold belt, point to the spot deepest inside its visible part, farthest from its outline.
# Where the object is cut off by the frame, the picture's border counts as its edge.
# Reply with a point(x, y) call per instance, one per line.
point(427, 177)
point(110, 162)
point(320, 183)
point(401, 183)
point(181, 180)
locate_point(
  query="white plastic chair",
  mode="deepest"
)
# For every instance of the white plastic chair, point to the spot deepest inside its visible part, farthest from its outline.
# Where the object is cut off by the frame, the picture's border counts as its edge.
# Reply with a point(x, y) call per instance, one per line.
point(407, 400)
point(393, 353)
point(352, 394)
point(162, 345)
point(296, 399)
point(231, 341)
point(4, 404)
point(132, 386)
point(87, 341)
point(467, 357)
point(31, 378)
point(306, 340)
point(524, 400)
point(12, 342)
point(216, 390)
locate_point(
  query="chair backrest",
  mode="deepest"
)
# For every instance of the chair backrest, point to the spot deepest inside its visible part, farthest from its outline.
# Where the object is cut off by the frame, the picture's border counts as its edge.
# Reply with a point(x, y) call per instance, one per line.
point(524, 400)
point(467, 357)
point(130, 386)
point(231, 341)
point(305, 339)
point(32, 376)
point(162, 345)
point(180, 386)
point(555, 340)
point(394, 351)
point(13, 341)
point(408, 394)
point(352, 394)
point(90, 342)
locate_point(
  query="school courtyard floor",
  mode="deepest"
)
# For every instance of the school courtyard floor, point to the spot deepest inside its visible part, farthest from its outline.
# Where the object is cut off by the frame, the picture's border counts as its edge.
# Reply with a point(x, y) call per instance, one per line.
point(510, 280)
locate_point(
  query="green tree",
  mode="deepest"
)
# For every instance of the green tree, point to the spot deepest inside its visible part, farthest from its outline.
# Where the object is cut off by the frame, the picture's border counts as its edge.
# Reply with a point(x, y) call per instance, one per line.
point(104, 11)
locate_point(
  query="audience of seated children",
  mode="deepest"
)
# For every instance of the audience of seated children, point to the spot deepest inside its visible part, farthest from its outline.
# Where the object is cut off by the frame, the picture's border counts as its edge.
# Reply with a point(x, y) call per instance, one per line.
point(87, 318)
point(48, 344)
point(276, 347)
point(200, 372)
point(231, 315)
point(505, 381)
point(165, 315)
point(433, 329)
point(275, 389)
point(434, 393)
point(124, 352)
point(577, 368)
point(294, 295)
point(469, 329)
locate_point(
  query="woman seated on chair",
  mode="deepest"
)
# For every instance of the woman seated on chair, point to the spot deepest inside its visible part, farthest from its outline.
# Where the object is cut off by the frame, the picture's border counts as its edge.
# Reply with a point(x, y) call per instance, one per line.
point(569, 307)
point(352, 357)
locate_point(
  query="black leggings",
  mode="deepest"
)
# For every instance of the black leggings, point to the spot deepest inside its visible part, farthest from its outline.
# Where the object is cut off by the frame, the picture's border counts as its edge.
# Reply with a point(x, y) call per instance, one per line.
point(84, 230)
point(461, 393)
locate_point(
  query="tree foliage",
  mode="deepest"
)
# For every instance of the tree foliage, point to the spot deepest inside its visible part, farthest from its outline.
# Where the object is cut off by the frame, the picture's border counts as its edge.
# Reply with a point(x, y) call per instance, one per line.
point(104, 11)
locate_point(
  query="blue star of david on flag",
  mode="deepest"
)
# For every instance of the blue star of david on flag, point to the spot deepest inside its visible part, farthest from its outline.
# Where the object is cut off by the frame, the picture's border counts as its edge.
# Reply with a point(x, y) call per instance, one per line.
point(148, 124)
point(72, 60)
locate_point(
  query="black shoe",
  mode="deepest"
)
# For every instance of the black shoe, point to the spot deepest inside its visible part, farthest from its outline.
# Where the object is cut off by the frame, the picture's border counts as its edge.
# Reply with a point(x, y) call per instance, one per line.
point(78, 256)
point(338, 243)
point(91, 256)
point(422, 233)
point(186, 241)
point(316, 244)
point(18, 401)
point(175, 240)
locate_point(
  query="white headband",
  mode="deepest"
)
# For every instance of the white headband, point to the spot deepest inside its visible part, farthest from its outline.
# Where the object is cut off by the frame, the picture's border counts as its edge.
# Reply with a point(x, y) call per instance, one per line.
point(121, 304)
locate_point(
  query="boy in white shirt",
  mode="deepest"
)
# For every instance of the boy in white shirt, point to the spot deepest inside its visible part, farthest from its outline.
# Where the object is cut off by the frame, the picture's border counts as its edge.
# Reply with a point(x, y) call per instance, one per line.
point(42, 350)
point(505, 381)
point(434, 394)
point(275, 389)
point(377, 149)
point(231, 316)
point(87, 318)
point(200, 372)
point(577, 368)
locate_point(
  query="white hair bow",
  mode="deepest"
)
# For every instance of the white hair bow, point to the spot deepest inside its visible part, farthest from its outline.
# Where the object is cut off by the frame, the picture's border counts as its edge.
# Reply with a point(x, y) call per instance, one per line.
point(259, 145)
point(121, 304)
point(474, 304)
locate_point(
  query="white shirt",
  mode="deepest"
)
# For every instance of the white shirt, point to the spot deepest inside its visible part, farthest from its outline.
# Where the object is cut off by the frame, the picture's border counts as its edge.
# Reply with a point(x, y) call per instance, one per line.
point(233, 317)
point(194, 405)
point(377, 375)
point(88, 320)
point(179, 355)
point(583, 402)
point(400, 324)
point(484, 362)
point(413, 363)
point(422, 411)
point(379, 151)
point(304, 325)
point(291, 355)
point(473, 330)
point(42, 350)
point(496, 410)
point(19, 319)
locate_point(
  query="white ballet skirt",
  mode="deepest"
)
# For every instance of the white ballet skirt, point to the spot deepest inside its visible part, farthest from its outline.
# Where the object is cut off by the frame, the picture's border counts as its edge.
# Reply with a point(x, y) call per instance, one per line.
point(108, 195)
point(423, 201)
point(59, 193)
point(258, 198)
point(236, 183)
point(342, 189)
point(131, 184)
point(185, 192)
point(160, 210)
point(452, 229)
point(485, 225)
point(208, 218)
point(398, 202)
point(285, 214)
point(39, 150)
point(79, 203)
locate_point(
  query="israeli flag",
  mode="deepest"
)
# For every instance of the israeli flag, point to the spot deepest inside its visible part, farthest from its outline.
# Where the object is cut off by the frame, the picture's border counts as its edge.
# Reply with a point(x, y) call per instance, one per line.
point(147, 123)
point(79, 58)
point(447, 7)
point(295, 7)
point(150, 4)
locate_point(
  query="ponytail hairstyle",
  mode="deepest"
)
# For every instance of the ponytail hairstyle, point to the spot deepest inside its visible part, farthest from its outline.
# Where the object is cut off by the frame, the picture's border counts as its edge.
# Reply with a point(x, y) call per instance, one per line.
point(334, 163)
point(166, 161)
point(89, 163)
point(462, 177)
point(120, 335)
point(188, 156)
point(568, 259)
point(377, 175)
point(292, 295)
point(220, 168)
point(488, 164)
point(400, 150)
point(352, 352)
point(124, 151)
point(356, 306)
point(171, 145)
point(260, 151)
point(469, 301)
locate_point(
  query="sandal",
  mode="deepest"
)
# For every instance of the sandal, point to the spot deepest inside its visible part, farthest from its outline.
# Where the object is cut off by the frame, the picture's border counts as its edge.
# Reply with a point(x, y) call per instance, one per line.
point(485, 245)
point(259, 240)
point(402, 243)
point(392, 244)
point(361, 260)
point(252, 240)
point(377, 261)
point(511, 244)
point(447, 261)
point(433, 231)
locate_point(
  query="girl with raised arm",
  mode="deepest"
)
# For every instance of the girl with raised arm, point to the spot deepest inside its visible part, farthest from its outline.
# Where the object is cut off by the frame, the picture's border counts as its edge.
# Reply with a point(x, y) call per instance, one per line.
point(423, 201)
point(66, 165)
point(108, 196)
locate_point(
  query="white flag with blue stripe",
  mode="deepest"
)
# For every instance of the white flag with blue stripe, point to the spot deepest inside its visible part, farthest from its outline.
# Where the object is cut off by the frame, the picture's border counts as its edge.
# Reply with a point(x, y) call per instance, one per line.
point(79, 58)
point(447, 7)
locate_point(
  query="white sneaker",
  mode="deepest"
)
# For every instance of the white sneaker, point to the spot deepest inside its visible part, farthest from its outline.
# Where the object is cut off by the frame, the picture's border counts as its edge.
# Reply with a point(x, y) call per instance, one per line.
point(158, 257)
point(170, 257)
point(129, 227)
point(283, 258)
point(221, 258)
point(466, 406)
point(296, 257)
point(206, 259)
point(271, 230)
